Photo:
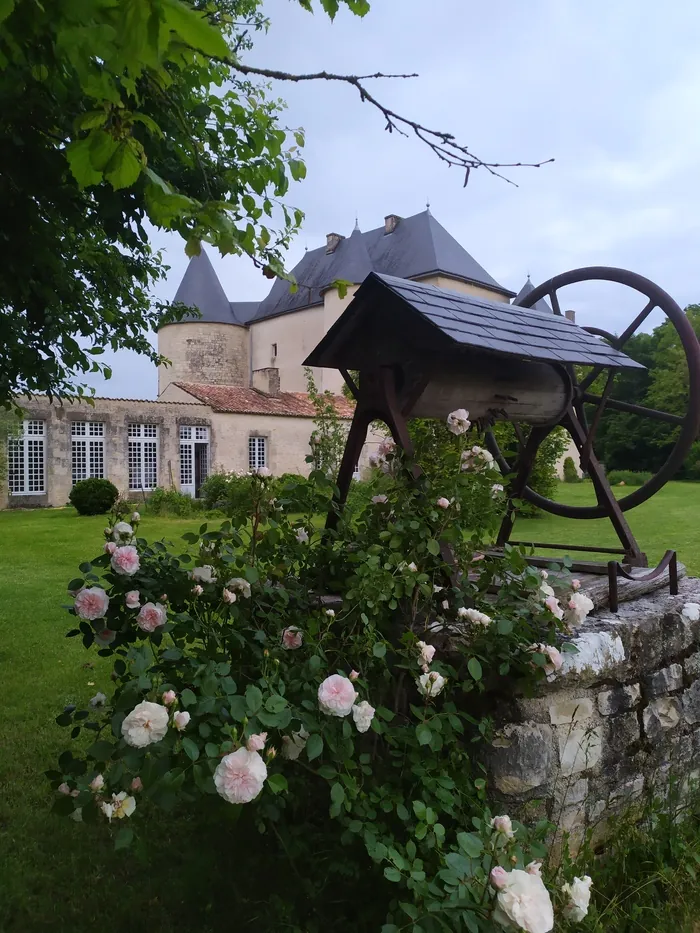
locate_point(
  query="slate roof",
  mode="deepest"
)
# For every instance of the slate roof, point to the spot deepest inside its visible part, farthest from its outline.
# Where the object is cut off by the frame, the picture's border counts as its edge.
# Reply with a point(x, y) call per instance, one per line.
point(541, 305)
point(242, 400)
point(462, 321)
point(200, 288)
point(419, 246)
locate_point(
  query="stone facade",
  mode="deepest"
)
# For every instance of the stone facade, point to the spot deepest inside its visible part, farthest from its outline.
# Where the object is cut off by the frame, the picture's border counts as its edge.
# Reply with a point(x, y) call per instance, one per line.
point(620, 719)
point(218, 354)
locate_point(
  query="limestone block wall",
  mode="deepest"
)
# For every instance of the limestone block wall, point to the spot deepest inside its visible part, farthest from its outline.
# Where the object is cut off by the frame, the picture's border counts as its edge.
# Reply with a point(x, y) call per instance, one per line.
point(116, 415)
point(622, 716)
point(217, 354)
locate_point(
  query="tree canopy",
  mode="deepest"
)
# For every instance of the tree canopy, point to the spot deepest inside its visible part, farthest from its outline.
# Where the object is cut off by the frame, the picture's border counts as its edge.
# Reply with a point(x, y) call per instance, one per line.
point(112, 114)
point(630, 442)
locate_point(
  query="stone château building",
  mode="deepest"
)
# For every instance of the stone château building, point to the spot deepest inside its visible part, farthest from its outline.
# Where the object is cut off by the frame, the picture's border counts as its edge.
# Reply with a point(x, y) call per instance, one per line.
point(234, 395)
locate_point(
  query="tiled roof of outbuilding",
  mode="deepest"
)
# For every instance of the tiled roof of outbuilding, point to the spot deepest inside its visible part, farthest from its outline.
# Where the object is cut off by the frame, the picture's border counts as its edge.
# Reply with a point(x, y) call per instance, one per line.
point(242, 400)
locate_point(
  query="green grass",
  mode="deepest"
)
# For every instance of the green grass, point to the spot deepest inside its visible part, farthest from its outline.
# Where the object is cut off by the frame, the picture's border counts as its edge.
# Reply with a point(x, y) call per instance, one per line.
point(667, 520)
point(65, 878)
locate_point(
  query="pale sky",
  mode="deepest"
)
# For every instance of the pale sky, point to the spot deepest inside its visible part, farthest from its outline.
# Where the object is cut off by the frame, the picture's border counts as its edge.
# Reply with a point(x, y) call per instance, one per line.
point(610, 90)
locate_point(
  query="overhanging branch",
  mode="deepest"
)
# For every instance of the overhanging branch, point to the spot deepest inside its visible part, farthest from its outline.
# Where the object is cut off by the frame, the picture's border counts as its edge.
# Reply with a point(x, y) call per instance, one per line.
point(444, 145)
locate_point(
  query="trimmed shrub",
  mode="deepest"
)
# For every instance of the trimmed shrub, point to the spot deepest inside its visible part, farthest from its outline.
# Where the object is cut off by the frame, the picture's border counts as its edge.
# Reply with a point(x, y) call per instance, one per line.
point(93, 496)
point(172, 502)
point(628, 478)
point(570, 471)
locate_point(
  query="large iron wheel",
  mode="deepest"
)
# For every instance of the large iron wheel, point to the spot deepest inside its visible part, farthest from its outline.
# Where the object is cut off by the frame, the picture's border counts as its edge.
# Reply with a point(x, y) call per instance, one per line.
point(576, 422)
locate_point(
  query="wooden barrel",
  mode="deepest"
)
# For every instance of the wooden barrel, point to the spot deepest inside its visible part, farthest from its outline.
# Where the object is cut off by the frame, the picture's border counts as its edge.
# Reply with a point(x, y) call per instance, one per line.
point(501, 388)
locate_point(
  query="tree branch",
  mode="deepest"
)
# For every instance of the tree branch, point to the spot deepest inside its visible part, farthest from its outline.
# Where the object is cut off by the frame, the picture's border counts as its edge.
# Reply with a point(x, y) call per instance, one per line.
point(444, 145)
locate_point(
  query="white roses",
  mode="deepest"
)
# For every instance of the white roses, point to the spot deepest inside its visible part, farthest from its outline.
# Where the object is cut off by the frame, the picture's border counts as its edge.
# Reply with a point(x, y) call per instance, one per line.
point(205, 574)
point(430, 684)
point(458, 421)
point(363, 714)
point(522, 902)
point(146, 724)
point(579, 893)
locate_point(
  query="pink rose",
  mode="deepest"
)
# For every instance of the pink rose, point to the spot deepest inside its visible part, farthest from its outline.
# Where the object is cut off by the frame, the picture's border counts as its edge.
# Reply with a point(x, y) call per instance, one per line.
point(379, 500)
point(256, 743)
point(181, 719)
point(427, 653)
point(239, 777)
point(292, 638)
point(503, 824)
point(534, 868)
point(575, 585)
point(554, 656)
point(125, 560)
point(197, 590)
point(110, 547)
point(136, 784)
point(498, 877)
point(64, 789)
point(151, 617)
point(132, 599)
point(354, 675)
point(97, 783)
point(169, 697)
point(228, 596)
point(552, 603)
point(443, 503)
point(91, 603)
point(336, 696)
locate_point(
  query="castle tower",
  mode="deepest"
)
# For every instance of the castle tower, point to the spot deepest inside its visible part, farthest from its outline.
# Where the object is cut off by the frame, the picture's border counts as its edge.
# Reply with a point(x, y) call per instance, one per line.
point(211, 349)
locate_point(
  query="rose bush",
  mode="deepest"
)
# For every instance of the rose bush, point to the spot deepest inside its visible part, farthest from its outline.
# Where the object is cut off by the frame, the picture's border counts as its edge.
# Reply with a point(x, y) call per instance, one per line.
point(330, 692)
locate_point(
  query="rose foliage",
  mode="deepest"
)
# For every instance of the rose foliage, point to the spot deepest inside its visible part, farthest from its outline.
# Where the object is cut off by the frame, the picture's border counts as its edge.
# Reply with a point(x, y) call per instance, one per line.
point(330, 693)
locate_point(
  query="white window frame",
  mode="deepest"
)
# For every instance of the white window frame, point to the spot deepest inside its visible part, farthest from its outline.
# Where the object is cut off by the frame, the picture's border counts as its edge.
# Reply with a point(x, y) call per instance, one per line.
point(87, 450)
point(257, 452)
point(189, 436)
point(142, 456)
point(23, 450)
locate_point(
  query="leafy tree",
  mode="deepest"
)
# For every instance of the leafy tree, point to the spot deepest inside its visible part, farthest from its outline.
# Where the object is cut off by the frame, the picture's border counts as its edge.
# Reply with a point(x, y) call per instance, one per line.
point(630, 442)
point(112, 114)
point(330, 432)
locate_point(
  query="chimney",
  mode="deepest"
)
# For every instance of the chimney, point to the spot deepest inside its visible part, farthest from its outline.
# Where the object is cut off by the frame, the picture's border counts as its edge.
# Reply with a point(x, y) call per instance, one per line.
point(267, 381)
point(570, 315)
point(332, 240)
point(391, 222)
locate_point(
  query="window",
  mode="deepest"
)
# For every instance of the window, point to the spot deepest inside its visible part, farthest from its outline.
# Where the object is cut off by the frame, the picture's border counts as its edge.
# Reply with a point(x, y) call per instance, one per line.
point(26, 459)
point(194, 458)
point(257, 452)
point(274, 350)
point(143, 456)
point(87, 450)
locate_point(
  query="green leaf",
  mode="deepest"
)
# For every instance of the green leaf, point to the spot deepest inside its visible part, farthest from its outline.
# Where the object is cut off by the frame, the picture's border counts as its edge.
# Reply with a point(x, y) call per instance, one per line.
point(423, 734)
point(433, 547)
point(297, 169)
point(124, 838)
point(379, 649)
point(100, 750)
point(337, 793)
point(459, 864)
point(419, 809)
point(386, 714)
point(392, 874)
point(91, 119)
point(195, 29)
point(470, 844)
point(190, 748)
point(125, 166)
point(187, 697)
point(275, 703)
point(567, 647)
point(253, 699)
point(474, 668)
point(79, 155)
point(314, 746)
point(6, 7)
point(277, 783)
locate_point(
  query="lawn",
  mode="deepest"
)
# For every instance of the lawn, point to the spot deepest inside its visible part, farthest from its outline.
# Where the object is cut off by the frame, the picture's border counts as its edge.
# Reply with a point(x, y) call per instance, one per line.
point(65, 878)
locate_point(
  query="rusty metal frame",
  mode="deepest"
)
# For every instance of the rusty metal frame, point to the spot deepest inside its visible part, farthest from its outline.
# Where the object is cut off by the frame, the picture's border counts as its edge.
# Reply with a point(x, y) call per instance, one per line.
point(668, 562)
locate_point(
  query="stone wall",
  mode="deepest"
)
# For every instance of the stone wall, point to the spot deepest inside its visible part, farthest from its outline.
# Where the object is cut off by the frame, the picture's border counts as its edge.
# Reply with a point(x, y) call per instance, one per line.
point(622, 716)
point(199, 351)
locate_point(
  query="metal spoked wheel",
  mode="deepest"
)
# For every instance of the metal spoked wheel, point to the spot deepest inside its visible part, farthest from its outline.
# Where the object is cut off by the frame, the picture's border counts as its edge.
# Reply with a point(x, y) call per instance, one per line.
point(576, 422)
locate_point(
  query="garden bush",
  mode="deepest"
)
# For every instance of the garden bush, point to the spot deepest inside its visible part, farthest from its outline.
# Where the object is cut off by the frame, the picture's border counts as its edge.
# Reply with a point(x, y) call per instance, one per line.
point(93, 496)
point(171, 502)
point(328, 696)
point(628, 477)
point(570, 471)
